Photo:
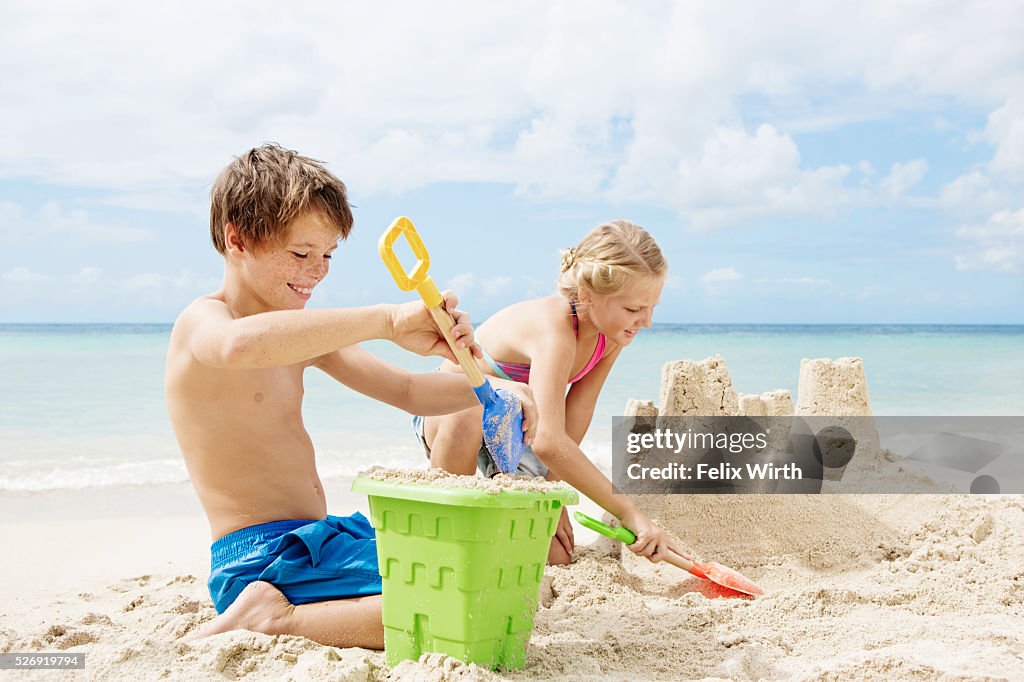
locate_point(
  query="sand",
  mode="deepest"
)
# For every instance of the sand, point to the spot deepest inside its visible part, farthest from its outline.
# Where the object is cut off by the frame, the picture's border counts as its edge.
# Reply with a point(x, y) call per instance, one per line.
point(875, 587)
point(439, 478)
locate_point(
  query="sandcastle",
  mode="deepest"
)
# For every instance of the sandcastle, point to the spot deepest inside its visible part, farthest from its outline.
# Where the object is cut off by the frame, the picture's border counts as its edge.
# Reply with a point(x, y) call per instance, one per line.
point(832, 398)
point(827, 388)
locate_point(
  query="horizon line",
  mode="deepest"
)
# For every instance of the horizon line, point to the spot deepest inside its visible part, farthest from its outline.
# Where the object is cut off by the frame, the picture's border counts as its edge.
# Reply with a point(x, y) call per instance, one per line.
point(654, 325)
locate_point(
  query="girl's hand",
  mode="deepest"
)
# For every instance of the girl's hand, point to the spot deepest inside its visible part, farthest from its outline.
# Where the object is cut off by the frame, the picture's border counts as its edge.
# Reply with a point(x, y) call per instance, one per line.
point(564, 542)
point(651, 541)
point(525, 396)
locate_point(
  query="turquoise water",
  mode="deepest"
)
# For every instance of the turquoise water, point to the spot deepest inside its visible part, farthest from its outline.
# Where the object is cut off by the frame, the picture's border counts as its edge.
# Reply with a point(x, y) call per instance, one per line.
point(82, 405)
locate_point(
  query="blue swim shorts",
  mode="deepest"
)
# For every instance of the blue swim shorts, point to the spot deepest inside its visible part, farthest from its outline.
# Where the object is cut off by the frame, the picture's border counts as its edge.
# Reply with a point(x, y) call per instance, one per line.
point(309, 561)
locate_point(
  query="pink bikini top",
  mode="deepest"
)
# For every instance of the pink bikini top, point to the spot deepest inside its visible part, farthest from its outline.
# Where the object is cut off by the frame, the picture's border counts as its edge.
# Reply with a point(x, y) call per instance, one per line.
point(520, 371)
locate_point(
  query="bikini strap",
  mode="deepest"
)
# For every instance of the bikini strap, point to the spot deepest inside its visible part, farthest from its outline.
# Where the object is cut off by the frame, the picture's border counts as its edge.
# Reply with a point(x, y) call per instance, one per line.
point(594, 359)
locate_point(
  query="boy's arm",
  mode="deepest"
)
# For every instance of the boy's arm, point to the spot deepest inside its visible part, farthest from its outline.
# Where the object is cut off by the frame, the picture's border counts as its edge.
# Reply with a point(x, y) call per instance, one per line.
point(280, 337)
point(284, 337)
point(428, 394)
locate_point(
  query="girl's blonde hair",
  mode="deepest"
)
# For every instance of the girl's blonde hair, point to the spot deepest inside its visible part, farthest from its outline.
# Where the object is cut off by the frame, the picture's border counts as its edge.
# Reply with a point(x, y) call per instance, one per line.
point(608, 258)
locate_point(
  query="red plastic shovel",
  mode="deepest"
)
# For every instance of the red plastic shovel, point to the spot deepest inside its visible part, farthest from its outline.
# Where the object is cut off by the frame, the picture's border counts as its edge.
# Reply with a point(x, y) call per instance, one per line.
point(713, 571)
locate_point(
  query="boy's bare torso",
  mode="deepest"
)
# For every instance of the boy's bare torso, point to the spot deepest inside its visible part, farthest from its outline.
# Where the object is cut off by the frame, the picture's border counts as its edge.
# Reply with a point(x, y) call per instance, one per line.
point(241, 433)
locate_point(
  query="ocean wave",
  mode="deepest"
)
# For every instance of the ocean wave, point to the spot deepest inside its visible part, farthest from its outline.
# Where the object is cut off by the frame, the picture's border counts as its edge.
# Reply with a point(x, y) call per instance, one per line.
point(64, 477)
point(333, 463)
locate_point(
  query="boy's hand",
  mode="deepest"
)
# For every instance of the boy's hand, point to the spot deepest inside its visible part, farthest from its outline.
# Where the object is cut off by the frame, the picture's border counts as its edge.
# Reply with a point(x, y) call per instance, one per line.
point(525, 396)
point(651, 541)
point(413, 328)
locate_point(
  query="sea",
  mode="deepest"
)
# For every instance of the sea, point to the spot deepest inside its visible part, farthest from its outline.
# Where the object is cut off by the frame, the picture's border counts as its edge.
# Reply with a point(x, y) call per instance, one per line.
point(82, 406)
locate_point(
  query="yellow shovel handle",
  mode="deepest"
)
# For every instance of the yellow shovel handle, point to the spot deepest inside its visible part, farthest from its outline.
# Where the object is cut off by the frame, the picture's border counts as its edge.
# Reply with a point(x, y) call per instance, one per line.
point(419, 279)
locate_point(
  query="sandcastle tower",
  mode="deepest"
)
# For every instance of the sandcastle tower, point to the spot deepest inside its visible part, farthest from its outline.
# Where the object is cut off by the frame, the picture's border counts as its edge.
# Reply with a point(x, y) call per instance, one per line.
point(833, 398)
point(641, 417)
point(697, 388)
point(777, 403)
point(751, 405)
point(833, 387)
point(643, 411)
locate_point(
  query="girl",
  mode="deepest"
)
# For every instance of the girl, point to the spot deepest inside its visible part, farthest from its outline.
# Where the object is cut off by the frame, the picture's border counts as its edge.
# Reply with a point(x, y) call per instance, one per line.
point(607, 290)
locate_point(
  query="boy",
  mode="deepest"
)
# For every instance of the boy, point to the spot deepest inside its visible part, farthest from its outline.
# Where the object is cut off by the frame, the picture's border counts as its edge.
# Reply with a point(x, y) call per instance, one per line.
point(279, 563)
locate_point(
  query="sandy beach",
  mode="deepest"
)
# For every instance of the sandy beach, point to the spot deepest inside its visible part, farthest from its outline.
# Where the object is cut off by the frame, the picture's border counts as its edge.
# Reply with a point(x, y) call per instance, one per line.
point(858, 587)
point(693, 231)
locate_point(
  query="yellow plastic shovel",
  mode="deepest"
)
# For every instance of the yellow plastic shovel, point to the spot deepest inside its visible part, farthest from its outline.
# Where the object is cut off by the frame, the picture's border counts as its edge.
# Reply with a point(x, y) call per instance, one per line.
point(503, 413)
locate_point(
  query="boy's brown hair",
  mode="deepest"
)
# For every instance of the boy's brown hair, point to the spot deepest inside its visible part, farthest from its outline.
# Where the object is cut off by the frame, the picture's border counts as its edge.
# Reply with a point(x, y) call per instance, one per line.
point(266, 188)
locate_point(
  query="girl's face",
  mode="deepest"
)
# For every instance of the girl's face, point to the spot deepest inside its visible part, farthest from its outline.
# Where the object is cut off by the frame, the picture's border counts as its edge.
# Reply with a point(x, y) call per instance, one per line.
point(620, 317)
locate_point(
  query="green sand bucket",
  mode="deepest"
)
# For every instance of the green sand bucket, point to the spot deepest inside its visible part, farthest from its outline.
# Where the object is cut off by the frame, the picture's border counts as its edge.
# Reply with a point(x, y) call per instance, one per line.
point(461, 568)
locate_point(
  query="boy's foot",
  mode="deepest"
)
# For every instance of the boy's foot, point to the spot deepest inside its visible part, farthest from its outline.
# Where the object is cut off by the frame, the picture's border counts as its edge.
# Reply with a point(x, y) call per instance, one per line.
point(260, 607)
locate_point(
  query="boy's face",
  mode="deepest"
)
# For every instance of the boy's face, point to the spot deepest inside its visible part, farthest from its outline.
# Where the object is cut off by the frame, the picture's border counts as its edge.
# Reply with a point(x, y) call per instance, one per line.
point(283, 276)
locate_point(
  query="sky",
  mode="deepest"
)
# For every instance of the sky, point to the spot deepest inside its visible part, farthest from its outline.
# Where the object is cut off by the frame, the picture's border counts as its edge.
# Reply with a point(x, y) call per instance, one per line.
point(826, 162)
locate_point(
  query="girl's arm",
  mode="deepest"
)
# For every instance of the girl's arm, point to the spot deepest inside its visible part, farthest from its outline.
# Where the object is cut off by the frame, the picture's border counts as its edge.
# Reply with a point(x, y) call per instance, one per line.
point(582, 397)
point(551, 360)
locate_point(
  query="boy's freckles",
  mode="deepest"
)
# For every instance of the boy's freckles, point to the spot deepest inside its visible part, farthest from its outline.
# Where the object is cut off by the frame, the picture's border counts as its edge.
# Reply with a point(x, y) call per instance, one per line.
point(283, 275)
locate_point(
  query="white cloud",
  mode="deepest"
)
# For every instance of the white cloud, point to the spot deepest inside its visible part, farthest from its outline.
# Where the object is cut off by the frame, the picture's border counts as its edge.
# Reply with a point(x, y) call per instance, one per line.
point(992, 190)
point(1005, 130)
point(810, 282)
point(739, 176)
point(870, 291)
point(24, 276)
point(675, 283)
point(19, 226)
point(998, 245)
point(461, 283)
point(565, 101)
point(89, 275)
point(716, 282)
point(534, 287)
point(496, 285)
point(92, 291)
point(467, 283)
point(971, 190)
point(902, 177)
